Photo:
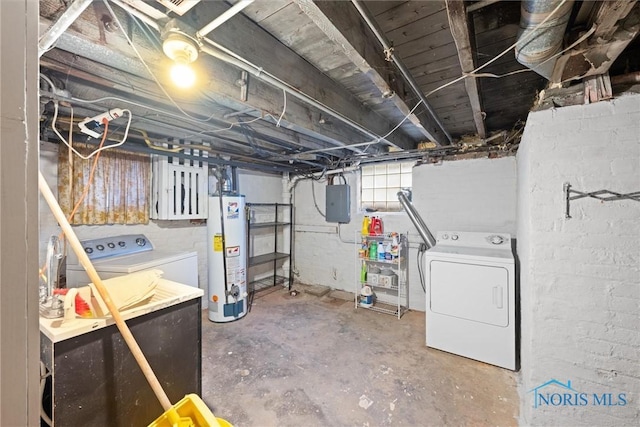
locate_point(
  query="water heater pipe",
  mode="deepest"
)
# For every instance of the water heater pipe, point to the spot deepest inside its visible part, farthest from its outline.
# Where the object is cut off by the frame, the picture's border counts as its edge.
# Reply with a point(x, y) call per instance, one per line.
point(415, 217)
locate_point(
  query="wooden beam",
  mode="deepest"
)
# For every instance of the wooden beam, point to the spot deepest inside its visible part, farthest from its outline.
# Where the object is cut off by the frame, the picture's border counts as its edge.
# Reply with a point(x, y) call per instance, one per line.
point(248, 40)
point(20, 399)
point(606, 17)
point(616, 24)
point(462, 32)
point(219, 83)
point(480, 4)
point(343, 25)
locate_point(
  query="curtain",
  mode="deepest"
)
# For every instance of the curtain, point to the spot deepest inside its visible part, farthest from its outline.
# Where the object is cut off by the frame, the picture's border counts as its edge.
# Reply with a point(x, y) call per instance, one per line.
point(118, 193)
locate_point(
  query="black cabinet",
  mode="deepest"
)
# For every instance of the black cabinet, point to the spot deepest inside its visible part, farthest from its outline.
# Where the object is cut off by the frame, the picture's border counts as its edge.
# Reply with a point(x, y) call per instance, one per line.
point(94, 380)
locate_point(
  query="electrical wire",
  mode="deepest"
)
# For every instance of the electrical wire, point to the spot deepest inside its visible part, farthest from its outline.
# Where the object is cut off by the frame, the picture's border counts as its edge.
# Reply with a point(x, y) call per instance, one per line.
point(284, 108)
point(76, 152)
point(167, 93)
point(85, 191)
point(169, 97)
point(420, 259)
point(315, 203)
point(500, 55)
point(473, 73)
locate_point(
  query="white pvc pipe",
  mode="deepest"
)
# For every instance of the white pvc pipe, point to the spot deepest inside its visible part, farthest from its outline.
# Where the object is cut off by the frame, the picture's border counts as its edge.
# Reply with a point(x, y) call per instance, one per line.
point(224, 17)
point(138, 14)
point(60, 26)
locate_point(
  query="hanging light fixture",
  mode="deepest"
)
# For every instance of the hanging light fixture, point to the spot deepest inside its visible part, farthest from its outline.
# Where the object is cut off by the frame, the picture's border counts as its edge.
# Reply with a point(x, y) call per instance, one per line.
point(182, 50)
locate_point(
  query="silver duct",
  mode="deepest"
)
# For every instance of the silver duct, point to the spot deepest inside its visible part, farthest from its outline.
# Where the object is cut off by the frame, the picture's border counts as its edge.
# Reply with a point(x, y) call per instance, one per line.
point(415, 217)
point(534, 49)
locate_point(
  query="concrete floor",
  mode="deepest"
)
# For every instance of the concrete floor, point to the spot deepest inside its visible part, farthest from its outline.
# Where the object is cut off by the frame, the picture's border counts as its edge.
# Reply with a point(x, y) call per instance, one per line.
point(317, 361)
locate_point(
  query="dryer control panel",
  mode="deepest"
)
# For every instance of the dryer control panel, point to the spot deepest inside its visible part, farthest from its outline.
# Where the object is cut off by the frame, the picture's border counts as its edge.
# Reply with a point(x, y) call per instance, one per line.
point(472, 239)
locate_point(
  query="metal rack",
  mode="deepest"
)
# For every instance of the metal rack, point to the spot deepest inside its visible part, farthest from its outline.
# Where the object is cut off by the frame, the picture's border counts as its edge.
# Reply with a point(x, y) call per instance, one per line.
point(388, 299)
point(602, 195)
point(271, 218)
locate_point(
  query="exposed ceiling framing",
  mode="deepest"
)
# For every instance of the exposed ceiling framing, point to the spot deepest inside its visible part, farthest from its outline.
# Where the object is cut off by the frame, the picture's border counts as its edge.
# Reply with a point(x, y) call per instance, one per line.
point(301, 85)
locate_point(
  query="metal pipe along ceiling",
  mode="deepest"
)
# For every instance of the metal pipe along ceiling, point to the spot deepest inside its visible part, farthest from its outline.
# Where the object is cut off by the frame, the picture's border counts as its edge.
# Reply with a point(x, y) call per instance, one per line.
point(235, 9)
point(60, 26)
point(215, 50)
point(535, 50)
point(403, 70)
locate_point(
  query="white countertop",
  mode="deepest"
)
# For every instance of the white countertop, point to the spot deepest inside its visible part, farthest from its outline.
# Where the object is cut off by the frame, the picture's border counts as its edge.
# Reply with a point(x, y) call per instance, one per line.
point(167, 294)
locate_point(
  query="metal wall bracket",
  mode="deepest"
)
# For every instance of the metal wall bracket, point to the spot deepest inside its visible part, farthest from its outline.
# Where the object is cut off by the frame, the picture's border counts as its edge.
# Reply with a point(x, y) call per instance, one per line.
point(602, 195)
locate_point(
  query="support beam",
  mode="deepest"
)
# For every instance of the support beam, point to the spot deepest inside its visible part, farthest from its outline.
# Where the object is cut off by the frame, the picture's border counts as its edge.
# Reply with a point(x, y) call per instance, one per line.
point(60, 26)
point(219, 85)
point(342, 24)
point(269, 54)
point(608, 14)
point(480, 4)
point(616, 24)
point(20, 398)
point(463, 35)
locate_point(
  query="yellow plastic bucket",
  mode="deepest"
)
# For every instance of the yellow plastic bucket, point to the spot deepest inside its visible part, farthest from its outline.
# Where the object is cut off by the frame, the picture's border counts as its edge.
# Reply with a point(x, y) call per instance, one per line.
point(191, 408)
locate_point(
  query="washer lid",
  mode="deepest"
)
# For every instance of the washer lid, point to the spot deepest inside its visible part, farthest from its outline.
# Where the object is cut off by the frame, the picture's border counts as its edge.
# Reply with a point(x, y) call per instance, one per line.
point(136, 262)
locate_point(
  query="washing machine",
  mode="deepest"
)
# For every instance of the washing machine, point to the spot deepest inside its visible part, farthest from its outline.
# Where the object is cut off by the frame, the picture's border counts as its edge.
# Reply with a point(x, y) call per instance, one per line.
point(125, 254)
point(471, 301)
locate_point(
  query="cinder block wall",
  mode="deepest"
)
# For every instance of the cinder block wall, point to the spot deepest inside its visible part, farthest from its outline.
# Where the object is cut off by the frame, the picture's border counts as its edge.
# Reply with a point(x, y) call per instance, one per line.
point(465, 195)
point(178, 236)
point(580, 277)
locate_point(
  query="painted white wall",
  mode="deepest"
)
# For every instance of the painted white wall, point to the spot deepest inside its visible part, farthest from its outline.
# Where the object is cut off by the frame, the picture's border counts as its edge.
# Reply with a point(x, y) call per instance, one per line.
point(177, 236)
point(466, 195)
point(580, 280)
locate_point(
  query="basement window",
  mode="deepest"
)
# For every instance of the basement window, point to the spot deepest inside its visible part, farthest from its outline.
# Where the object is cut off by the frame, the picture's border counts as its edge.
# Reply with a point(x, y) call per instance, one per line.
point(380, 184)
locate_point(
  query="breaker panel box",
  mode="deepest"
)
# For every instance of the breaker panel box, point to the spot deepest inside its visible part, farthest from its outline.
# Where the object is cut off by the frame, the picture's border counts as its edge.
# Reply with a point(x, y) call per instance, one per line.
point(338, 199)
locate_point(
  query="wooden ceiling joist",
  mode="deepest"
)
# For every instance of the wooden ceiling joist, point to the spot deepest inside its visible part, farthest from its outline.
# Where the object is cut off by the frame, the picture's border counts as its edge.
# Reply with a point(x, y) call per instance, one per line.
point(462, 31)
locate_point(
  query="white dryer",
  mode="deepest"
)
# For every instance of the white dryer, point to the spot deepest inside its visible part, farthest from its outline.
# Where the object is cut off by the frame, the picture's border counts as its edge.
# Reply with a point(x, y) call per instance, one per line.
point(471, 304)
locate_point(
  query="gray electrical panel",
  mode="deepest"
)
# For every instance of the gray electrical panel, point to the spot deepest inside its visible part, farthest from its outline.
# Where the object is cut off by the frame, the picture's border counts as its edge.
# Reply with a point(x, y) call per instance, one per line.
point(338, 204)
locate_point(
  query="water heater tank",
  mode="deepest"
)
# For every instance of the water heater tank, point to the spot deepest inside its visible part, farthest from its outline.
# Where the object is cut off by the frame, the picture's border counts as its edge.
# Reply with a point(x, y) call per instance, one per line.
point(227, 258)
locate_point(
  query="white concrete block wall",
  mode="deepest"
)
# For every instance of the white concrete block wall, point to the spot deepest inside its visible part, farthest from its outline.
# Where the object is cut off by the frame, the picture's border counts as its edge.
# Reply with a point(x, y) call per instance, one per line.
point(178, 236)
point(580, 277)
point(466, 195)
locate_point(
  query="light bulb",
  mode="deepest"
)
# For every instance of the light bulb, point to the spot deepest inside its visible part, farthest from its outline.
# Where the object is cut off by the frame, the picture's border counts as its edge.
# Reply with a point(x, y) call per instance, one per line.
point(183, 75)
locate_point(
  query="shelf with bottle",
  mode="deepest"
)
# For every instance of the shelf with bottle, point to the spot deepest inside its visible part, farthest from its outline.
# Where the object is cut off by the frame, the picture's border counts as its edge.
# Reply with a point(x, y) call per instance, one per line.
point(381, 263)
point(380, 248)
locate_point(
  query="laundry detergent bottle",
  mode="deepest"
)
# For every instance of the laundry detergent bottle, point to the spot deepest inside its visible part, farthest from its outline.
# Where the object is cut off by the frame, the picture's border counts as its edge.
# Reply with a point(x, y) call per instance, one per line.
point(366, 222)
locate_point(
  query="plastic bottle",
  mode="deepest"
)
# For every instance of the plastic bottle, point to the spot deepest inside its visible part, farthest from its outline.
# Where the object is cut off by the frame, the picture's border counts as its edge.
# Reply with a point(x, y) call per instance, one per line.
point(381, 251)
point(366, 222)
point(387, 251)
point(373, 250)
point(394, 246)
point(377, 227)
point(363, 272)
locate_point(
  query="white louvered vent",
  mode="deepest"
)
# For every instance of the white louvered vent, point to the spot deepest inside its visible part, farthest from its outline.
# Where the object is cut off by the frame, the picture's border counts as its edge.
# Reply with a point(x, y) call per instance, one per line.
point(179, 6)
point(179, 188)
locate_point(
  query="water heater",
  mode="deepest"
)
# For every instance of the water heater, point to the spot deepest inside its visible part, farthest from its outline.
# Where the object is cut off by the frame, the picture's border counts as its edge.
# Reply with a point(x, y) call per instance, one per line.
point(227, 256)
